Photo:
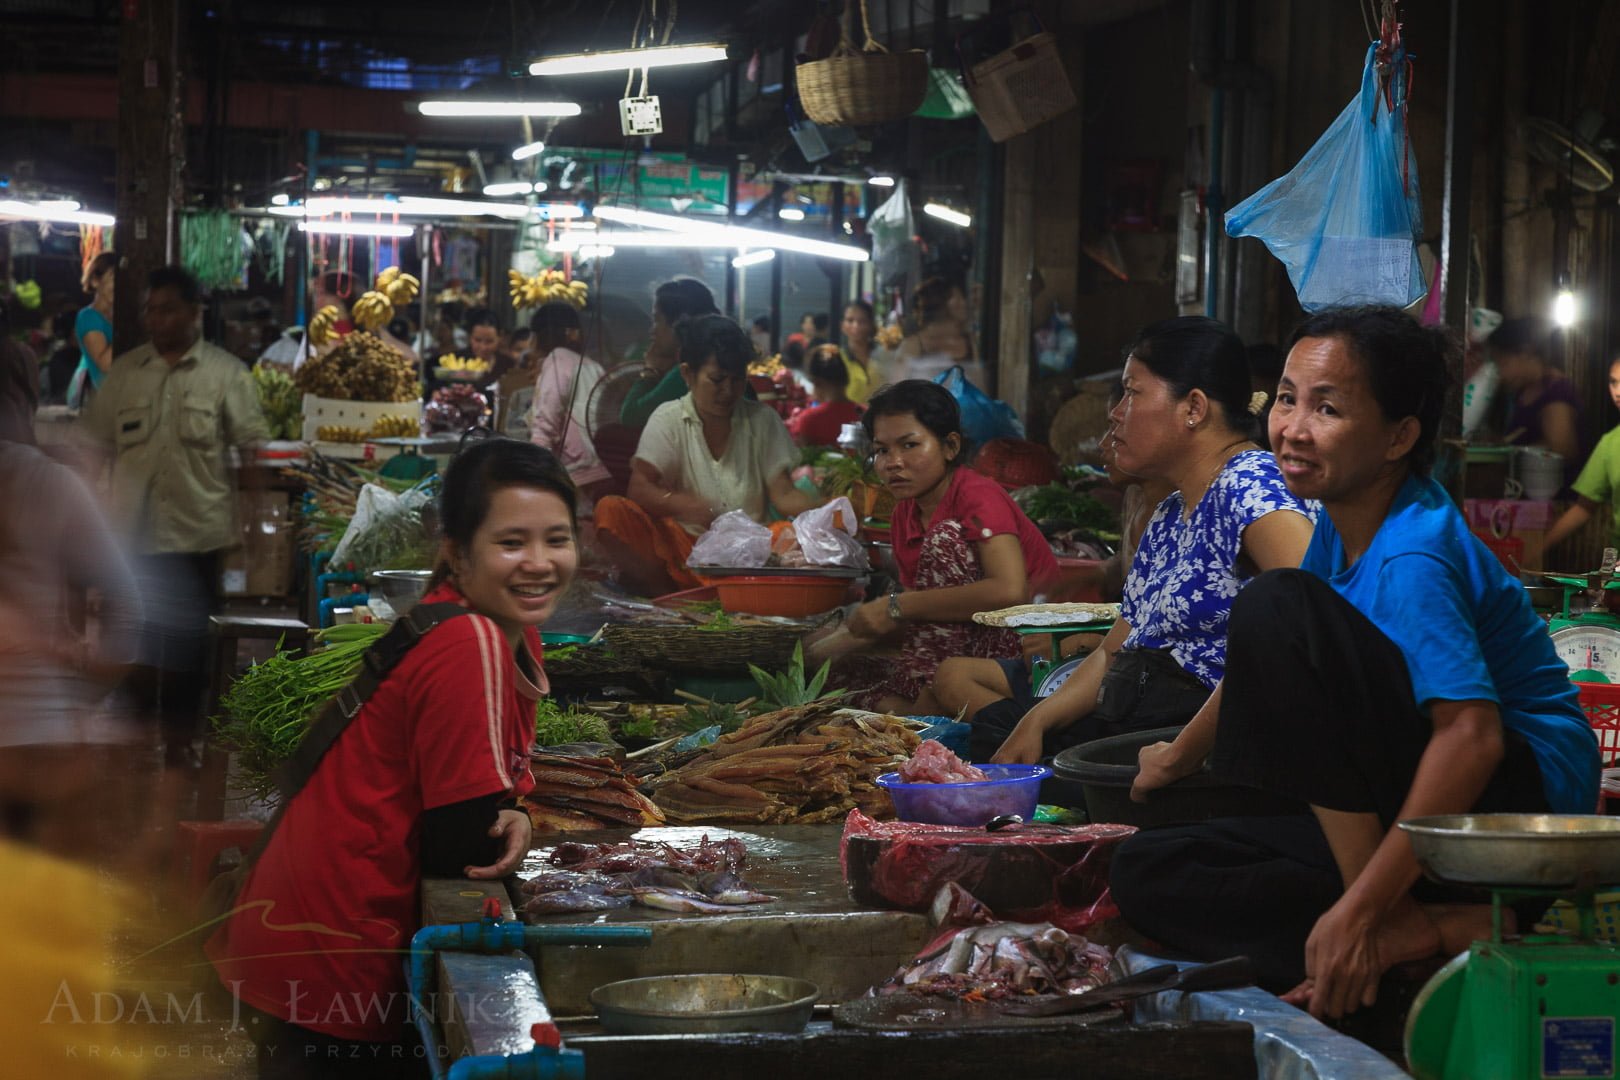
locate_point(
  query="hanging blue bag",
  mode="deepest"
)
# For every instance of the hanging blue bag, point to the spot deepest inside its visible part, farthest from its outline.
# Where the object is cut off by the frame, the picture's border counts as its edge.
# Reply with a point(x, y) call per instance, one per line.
point(1346, 219)
point(983, 417)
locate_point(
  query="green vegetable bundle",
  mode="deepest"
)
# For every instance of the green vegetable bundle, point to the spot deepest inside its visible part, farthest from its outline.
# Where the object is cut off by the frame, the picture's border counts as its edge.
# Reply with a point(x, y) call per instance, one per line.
point(1055, 502)
point(555, 726)
point(269, 707)
point(281, 401)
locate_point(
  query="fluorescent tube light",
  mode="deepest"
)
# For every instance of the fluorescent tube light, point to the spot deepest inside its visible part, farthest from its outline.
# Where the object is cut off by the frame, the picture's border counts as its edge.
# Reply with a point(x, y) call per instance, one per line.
point(355, 228)
point(790, 213)
point(55, 212)
point(499, 108)
point(1565, 309)
point(405, 206)
point(528, 151)
point(945, 213)
point(280, 198)
point(595, 251)
point(509, 187)
point(564, 212)
point(880, 181)
point(753, 258)
point(717, 235)
point(724, 238)
point(628, 59)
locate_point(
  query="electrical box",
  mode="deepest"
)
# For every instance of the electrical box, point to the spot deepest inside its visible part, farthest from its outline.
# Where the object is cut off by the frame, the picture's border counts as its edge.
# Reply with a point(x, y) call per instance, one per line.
point(641, 116)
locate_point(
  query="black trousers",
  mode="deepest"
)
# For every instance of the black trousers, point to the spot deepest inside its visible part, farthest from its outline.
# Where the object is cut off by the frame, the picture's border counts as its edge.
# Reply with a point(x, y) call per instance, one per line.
point(180, 592)
point(1317, 706)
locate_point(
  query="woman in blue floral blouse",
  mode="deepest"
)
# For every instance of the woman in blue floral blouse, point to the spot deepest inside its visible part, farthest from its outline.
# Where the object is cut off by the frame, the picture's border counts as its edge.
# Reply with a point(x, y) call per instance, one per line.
point(1188, 417)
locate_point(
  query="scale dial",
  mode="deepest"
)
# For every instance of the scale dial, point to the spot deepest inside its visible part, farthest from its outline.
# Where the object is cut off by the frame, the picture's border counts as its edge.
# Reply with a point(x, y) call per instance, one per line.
point(1060, 675)
point(1590, 648)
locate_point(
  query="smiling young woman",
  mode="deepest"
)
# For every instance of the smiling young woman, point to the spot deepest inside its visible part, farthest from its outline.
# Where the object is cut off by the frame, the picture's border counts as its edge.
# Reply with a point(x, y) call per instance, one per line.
point(422, 781)
point(1399, 672)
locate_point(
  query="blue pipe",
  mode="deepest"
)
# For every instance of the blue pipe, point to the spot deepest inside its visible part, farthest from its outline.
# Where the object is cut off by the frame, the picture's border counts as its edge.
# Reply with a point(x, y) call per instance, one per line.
point(326, 608)
point(549, 1060)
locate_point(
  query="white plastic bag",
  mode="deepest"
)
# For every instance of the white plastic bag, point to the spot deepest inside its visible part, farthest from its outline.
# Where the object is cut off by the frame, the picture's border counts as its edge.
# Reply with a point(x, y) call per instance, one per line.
point(371, 508)
point(734, 539)
point(894, 249)
point(827, 535)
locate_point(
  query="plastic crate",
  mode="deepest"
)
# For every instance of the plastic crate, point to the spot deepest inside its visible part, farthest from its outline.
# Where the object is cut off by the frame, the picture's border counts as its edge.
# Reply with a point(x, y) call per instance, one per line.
point(1601, 703)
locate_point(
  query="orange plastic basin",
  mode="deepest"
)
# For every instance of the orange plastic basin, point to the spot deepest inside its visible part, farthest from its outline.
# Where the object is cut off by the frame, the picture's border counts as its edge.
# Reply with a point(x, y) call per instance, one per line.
point(790, 597)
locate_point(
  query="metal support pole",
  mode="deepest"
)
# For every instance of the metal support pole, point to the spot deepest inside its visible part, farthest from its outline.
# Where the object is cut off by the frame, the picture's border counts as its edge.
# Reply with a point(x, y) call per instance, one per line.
point(1454, 224)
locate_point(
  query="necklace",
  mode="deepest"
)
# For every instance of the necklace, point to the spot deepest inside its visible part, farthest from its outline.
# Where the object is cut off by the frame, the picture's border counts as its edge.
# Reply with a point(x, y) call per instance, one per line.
point(1224, 455)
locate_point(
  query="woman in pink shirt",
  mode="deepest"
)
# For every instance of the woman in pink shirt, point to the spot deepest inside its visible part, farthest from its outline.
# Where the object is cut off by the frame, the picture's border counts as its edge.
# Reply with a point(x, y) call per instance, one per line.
point(567, 377)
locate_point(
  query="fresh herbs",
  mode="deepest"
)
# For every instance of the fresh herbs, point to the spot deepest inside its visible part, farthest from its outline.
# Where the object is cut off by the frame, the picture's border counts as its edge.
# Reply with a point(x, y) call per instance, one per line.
point(554, 725)
point(790, 688)
point(267, 709)
point(1058, 503)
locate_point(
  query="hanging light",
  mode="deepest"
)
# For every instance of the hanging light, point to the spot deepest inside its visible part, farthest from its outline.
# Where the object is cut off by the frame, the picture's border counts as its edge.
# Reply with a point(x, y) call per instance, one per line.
point(56, 211)
point(594, 251)
point(696, 233)
point(880, 181)
point(405, 205)
point(514, 187)
point(280, 198)
point(499, 108)
point(628, 59)
point(945, 213)
point(753, 258)
point(528, 150)
point(355, 228)
point(1565, 308)
point(790, 213)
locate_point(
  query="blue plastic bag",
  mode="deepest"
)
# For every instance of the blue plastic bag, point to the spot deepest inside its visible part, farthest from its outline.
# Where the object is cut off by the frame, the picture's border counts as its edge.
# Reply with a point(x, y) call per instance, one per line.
point(983, 417)
point(1346, 219)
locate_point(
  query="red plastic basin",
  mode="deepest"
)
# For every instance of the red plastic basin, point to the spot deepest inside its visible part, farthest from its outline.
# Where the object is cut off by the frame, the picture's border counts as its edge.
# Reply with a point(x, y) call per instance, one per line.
point(789, 597)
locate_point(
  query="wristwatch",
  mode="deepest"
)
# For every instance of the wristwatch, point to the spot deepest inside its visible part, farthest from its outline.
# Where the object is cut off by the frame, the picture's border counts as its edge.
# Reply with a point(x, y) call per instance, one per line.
point(894, 606)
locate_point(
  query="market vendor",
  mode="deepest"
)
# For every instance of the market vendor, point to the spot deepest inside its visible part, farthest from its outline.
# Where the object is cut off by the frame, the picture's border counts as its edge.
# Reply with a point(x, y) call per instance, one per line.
point(1187, 419)
point(1399, 672)
point(1597, 484)
point(961, 544)
point(661, 379)
point(821, 422)
point(1544, 409)
point(707, 453)
point(563, 389)
point(422, 782)
point(860, 341)
point(484, 342)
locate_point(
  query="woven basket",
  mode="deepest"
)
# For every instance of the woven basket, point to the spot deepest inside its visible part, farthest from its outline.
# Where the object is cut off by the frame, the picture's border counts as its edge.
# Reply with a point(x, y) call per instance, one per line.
point(869, 85)
point(1021, 88)
point(691, 648)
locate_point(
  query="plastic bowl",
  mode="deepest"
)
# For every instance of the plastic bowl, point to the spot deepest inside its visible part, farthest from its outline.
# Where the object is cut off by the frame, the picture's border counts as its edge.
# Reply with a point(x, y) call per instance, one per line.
point(790, 597)
point(1010, 789)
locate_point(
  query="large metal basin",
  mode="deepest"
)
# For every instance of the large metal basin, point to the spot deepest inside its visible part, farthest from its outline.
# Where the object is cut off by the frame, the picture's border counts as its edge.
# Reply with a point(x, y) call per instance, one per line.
point(1544, 851)
point(705, 1004)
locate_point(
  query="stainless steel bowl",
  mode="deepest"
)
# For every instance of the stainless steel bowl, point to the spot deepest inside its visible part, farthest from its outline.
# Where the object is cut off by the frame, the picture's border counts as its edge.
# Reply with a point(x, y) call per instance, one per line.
point(1544, 851)
point(705, 1004)
point(401, 588)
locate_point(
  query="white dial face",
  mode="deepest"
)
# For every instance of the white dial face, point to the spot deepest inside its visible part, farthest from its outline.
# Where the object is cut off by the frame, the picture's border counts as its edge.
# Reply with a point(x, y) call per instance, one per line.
point(1060, 675)
point(1594, 648)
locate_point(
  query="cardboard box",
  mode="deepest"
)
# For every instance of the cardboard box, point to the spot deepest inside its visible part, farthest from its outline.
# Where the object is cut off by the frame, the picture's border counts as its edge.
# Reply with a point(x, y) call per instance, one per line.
point(264, 562)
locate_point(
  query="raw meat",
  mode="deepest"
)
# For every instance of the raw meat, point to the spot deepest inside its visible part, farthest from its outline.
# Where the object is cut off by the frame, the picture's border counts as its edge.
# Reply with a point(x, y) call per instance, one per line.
point(1004, 960)
point(597, 877)
point(933, 763)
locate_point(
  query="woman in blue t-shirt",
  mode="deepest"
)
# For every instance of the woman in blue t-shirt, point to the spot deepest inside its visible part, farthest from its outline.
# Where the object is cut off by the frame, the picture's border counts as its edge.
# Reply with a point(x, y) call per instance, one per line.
point(1398, 673)
point(93, 329)
point(1187, 419)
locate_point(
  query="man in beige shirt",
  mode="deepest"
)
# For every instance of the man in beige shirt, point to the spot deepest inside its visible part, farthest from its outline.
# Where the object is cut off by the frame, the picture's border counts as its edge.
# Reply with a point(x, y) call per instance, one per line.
point(170, 411)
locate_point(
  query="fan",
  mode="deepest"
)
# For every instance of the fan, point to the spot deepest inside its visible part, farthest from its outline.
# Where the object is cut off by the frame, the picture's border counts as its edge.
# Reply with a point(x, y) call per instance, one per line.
point(615, 443)
point(1576, 153)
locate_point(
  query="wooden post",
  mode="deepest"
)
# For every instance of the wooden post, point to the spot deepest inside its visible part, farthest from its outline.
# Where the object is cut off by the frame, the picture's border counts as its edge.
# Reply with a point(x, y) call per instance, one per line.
point(1017, 273)
point(151, 151)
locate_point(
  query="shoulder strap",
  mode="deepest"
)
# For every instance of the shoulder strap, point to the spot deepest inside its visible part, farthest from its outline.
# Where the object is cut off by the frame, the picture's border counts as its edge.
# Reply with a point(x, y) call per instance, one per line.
point(379, 660)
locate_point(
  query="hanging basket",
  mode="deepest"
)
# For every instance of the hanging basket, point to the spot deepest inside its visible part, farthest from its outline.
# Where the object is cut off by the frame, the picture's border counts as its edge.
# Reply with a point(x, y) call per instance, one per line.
point(1020, 88)
point(870, 85)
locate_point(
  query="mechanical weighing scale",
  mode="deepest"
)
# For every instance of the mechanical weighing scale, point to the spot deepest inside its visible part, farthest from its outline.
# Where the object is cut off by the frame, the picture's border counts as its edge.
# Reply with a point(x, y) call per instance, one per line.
point(1531, 1005)
point(1588, 640)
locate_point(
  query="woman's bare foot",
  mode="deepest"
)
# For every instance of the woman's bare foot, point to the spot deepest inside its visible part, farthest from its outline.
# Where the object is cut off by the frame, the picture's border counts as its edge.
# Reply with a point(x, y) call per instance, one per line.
point(1405, 934)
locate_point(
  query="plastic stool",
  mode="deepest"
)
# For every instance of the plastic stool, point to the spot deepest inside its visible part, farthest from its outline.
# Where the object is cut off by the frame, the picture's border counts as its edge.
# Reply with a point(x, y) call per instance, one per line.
point(202, 842)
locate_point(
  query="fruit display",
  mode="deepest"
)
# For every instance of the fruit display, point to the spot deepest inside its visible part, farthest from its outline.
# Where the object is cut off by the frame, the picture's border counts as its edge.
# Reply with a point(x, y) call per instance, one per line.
point(399, 287)
point(548, 286)
point(322, 324)
point(395, 427)
point(340, 433)
point(372, 310)
point(462, 363)
point(454, 409)
point(280, 401)
point(891, 336)
point(361, 367)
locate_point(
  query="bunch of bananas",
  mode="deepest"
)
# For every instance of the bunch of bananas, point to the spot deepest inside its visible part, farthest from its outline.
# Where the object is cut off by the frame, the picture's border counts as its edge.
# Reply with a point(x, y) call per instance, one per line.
point(463, 363)
point(891, 336)
point(322, 324)
point(400, 288)
point(372, 310)
point(395, 427)
point(766, 365)
point(548, 286)
point(340, 433)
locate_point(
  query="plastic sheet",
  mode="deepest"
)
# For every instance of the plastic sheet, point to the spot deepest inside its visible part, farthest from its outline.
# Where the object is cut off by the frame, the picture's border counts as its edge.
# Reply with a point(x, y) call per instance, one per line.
point(1028, 873)
point(1288, 1043)
point(735, 539)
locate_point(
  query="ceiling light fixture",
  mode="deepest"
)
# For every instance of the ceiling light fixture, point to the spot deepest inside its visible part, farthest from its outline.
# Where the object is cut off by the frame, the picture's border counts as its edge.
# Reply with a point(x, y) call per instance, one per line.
point(880, 181)
point(499, 108)
point(628, 59)
point(280, 198)
point(355, 228)
point(713, 235)
point(510, 187)
point(790, 213)
point(945, 213)
point(405, 206)
point(595, 251)
point(528, 150)
point(1565, 308)
point(753, 258)
point(56, 211)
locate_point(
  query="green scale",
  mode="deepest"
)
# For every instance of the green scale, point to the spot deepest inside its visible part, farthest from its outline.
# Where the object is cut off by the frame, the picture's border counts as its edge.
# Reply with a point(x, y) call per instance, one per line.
point(1584, 633)
point(1532, 1005)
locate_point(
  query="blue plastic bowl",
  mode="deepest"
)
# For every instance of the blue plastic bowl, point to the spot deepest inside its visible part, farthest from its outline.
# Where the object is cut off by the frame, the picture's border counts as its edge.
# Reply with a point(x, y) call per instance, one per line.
point(1010, 789)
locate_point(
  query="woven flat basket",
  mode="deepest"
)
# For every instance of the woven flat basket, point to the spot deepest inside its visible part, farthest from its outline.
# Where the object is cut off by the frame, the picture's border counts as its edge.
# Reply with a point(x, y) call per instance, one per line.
point(691, 648)
point(851, 88)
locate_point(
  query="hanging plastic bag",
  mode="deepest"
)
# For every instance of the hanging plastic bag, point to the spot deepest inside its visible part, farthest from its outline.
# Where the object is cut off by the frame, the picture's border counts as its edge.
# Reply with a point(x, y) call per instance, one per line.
point(894, 249)
point(735, 539)
point(827, 535)
point(382, 522)
point(983, 417)
point(1344, 221)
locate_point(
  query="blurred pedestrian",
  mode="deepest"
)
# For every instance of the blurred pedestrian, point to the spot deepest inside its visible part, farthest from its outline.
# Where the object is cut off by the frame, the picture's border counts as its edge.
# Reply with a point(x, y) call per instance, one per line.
point(93, 329)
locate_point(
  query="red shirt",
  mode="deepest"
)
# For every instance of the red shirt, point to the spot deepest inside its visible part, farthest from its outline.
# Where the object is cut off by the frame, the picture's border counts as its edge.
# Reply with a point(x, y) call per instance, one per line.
point(820, 425)
point(986, 510)
point(325, 921)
